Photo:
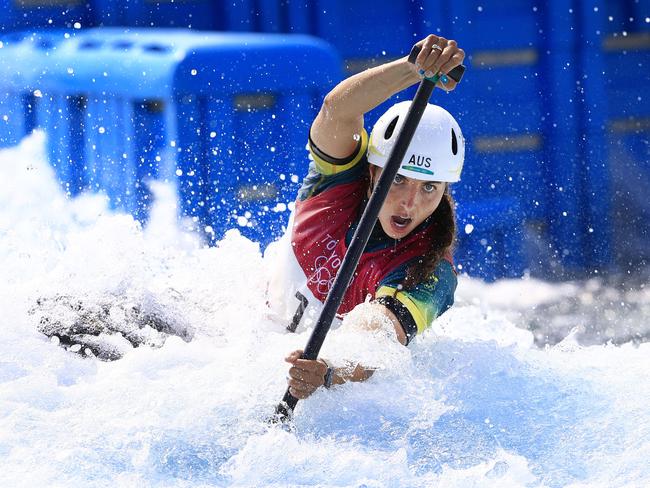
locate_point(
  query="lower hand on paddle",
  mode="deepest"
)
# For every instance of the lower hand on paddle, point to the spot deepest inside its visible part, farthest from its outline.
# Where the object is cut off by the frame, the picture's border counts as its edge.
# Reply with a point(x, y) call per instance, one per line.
point(305, 375)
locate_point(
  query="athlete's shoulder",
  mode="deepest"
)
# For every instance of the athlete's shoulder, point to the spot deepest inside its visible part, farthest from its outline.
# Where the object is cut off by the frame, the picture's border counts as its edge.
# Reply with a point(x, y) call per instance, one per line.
point(328, 165)
point(326, 172)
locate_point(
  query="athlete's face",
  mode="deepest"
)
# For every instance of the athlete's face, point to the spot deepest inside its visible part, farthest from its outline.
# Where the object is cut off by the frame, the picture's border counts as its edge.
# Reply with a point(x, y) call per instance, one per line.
point(408, 203)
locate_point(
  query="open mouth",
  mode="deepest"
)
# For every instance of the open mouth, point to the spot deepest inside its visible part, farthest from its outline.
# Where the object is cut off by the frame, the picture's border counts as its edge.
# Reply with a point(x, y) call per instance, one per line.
point(400, 222)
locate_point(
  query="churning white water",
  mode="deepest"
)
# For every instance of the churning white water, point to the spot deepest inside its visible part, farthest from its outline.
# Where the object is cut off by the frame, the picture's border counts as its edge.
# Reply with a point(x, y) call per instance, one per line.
point(476, 401)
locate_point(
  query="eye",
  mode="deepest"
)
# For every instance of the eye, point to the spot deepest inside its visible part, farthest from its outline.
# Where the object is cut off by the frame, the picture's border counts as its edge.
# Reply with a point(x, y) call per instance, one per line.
point(429, 187)
point(398, 179)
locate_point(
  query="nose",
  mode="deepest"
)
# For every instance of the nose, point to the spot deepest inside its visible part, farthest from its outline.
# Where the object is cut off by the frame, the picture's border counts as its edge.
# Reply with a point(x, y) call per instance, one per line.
point(409, 197)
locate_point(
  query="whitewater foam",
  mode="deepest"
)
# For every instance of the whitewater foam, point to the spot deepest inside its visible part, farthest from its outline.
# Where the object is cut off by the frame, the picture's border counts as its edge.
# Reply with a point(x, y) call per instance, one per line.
point(473, 402)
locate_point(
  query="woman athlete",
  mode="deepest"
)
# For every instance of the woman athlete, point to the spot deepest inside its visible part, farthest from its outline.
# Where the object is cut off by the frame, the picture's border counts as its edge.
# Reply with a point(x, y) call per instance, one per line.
point(406, 269)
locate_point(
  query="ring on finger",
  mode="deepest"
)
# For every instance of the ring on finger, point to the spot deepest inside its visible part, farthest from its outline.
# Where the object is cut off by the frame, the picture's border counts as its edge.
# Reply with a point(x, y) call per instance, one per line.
point(435, 46)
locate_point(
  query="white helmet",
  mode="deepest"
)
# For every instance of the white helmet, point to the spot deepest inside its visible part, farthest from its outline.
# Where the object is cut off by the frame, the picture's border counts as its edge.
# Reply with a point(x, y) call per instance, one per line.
point(436, 152)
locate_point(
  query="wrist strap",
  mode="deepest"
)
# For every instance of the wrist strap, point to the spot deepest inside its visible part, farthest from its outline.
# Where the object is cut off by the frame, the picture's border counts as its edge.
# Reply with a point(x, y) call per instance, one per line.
point(329, 375)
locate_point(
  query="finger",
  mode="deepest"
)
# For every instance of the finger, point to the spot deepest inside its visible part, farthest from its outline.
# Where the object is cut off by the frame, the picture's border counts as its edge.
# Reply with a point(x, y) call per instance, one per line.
point(444, 57)
point(299, 394)
point(310, 365)
point(300, 390)
point(299, 374)
point(307, 377)
point(455, 60)
point(447, 83)
point(294, 356)
point(425, 48)
point(299, 385)
point(295, 373)
point(436, 51)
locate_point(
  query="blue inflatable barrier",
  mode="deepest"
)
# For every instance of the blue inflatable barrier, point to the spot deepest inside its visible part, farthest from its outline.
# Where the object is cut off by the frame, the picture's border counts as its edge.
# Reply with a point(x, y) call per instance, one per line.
point(265, 91)
point(223, 116)
point(15, 89)
point(24, 57)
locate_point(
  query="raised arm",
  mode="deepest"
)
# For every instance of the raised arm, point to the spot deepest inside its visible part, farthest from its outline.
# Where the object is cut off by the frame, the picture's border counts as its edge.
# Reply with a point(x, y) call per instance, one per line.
point(337, 127)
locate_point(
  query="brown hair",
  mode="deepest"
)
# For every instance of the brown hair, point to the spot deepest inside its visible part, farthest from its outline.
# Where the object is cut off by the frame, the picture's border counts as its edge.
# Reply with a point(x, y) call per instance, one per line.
point(443, 231)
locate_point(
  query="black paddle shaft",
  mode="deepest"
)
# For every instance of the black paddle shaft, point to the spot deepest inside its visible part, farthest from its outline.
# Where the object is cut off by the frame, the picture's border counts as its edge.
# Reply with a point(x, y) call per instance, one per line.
point(360, 239)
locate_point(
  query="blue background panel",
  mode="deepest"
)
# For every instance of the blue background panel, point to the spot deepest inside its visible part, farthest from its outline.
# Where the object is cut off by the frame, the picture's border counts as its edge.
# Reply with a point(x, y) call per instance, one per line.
point(63, 118)
point(615, 59)
point(629, 159)
point(367, 34)
point(490, 238)
point(31, 14)
point(520, 92)
point(196, 14)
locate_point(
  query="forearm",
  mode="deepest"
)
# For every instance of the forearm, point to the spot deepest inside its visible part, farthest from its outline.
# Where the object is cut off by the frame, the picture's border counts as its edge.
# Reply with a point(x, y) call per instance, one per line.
point(339, 123)
point(362, 92)
point(355, 373)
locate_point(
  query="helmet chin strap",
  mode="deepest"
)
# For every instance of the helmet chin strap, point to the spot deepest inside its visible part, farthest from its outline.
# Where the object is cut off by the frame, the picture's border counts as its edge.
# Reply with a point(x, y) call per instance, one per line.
point(371, 187)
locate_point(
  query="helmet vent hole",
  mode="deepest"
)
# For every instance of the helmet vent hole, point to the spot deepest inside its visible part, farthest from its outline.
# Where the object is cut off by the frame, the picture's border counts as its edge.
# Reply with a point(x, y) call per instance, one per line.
point(391, 128)
point(454, 142)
